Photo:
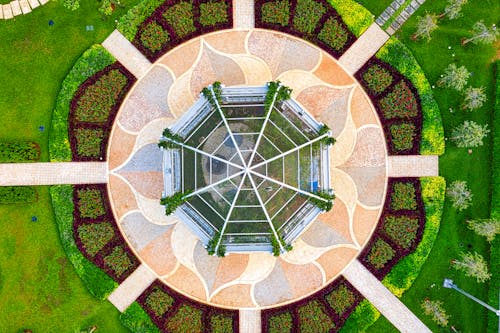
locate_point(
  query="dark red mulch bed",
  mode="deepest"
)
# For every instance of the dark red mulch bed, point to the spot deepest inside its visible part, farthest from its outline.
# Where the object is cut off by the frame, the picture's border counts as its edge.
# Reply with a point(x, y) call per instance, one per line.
point(174, 38)
point(329, 14)
point(179, 300)
point(319, 296)
point(117, 240)
point(105, 127)
point(379, 233)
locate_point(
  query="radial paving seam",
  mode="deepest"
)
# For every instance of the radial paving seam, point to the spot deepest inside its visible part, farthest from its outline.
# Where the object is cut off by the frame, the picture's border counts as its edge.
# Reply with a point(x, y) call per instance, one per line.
point(364, 48)
point(385, 302)
point(132, 287)
point(250, 321)
point(53, 173)
point(127, 54)
point(413, 166)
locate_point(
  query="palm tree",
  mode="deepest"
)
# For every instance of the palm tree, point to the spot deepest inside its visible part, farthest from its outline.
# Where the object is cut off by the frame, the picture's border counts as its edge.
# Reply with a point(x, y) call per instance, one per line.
point(481, 34)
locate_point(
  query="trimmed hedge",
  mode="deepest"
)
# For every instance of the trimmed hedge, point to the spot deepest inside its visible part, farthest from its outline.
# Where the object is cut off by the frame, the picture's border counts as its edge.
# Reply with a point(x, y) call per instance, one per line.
point(129, 23)
point(17, 195)
point(19, 151)
point(137, 320)
point(364, 316)
point(97, 282)
point(92, 61)
point(356, 17)
point(398, 55)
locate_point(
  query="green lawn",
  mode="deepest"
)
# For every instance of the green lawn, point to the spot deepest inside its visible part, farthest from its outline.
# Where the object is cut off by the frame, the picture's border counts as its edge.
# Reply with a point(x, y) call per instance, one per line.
point(455, 164)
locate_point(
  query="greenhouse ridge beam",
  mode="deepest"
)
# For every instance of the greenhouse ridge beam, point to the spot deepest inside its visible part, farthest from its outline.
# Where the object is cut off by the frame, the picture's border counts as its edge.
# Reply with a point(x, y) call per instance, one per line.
point(203, 189)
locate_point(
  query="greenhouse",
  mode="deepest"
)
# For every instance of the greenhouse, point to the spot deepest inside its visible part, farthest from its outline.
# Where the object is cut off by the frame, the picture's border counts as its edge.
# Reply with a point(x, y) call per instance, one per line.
point(251, 179)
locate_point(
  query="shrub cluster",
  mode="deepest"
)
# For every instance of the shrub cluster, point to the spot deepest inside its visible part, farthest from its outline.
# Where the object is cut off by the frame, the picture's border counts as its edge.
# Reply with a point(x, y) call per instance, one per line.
point(17, 195)
point(19, 151)
point(174, 312)
point(93, 109)
point(165, 24)
point(313, 20)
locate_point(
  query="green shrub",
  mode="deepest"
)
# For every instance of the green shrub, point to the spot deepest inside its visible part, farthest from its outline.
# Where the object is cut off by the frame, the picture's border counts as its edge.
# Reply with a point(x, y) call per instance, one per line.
point(186, 319)
point(92, 61)
point(281, 323)
point(334, 34)
point(118, 261)
point(377, 78)
point(97, 282)
point(399, 103)
point(19, 151)
point(361, 318)
point(159, 302)
point(356, 17)
point(276, 12)
point(221, 324)
point(90, 203)
point(400, 57)
point(380, 254)
point(403, 196)
point(153, 37)
point(96, 102)
point(95, 235)
point(404, 273)
point(401, 229)
point(180, 18)
point(88, 141)
point(307, 15)
point(137, 320)
point(314, 319)
point(402, 136)
point(341, 299)
point(213, 13)
point(17, 194)
point(129, 23)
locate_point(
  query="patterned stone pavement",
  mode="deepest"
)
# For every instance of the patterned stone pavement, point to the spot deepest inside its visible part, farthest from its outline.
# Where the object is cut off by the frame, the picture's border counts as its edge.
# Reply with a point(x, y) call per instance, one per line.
point(358, 168)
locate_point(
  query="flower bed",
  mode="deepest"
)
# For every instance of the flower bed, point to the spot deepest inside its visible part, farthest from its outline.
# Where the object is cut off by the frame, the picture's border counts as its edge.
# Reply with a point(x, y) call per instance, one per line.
point(93, 110)
point(313, 20)
point(174, 22)
point(96, 234)
point(175, 313)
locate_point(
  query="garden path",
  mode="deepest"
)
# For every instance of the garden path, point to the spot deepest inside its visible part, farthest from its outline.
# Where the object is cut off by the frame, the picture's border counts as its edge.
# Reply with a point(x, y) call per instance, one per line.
point(244, 14)
point(396, 14)
point(413, 166)
point(19, 7)
point(388, 304)
point(250, 321)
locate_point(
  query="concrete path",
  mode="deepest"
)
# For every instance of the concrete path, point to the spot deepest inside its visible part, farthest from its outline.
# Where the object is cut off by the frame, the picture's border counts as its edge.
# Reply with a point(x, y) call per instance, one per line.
point(413, 166)
point(250, 321)
point(127, 54)
point(385, 302)
point(53, 173)
point(243, 14)
point(132, 287)
point(393, 17)
point(364, 48)
point(19, 7)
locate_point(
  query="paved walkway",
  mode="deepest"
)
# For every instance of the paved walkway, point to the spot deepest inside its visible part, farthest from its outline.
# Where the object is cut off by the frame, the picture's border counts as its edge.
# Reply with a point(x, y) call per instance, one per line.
point(19, 7)
point(394, 16)
point(243, 14)
point(250, 321)
point(364, 48)
point(53, 173)
point(413, 166)
point(132, 288)
point(385, 302)
point(127, 54)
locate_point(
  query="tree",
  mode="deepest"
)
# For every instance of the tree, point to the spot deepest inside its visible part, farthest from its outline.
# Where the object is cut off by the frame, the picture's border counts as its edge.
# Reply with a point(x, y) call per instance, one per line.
point(469, 134)
point(459, 194)
point(435, 309)
point(481, 34)
point(71, 4)
point(425, 26)
point(488, 228)
point(454, 77)
point(473, 264)
point(175, 200)
point(474, 98)
point(453, 9)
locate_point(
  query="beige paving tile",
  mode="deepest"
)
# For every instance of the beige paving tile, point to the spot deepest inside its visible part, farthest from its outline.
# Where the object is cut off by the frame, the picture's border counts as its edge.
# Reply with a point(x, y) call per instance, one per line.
point(33, 3)
point(25, 7)
point(16, 8)
point(7, 11)
point(250, 321)
point(243, 14)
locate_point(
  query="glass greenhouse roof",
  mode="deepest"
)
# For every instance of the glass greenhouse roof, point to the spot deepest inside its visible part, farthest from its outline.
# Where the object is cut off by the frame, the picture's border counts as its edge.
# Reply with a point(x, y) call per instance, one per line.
point(247, 175)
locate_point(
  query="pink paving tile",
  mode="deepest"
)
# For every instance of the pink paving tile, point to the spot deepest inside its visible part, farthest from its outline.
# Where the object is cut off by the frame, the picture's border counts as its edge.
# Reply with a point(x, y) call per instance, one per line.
point(331, 72)
point(228, 41)
point(122, 196)
point(230, 268)
point(149, 184)
point(338, 219)
point(303, 279)
point(369, 150)
point(268, 46)
point(213, 67)
point(236, 296)
point(158, 254)
point(183, 57)
point(335, 260)
point(121, 145)
point(206, 265)
point(364, 222)
point(185, 281)
point(362, 110)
